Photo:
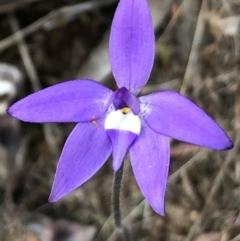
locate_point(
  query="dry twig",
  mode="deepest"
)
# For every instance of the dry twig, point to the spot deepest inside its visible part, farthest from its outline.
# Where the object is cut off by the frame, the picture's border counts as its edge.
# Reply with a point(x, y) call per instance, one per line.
point(49, 21)
point(192, 73)
point(10, 6)
point(32, 74)
point(196, 228)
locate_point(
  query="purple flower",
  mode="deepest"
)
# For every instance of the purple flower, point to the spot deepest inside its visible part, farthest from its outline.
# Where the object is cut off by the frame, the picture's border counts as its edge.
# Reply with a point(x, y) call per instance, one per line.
point(115, 122)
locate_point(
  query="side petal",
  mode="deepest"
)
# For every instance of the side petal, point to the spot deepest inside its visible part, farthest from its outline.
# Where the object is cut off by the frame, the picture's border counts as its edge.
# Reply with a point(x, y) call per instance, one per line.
point(71, 101)
point(150, 157)
point(173, 115)
point(85, 151)
point(132, 44)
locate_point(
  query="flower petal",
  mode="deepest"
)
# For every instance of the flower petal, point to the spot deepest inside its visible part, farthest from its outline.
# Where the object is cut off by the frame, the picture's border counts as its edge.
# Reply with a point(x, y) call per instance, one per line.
point(121, 141)
point(150, 157)
point(132, 44)
point(85, 151)
point(173, 115)
point(71, 101)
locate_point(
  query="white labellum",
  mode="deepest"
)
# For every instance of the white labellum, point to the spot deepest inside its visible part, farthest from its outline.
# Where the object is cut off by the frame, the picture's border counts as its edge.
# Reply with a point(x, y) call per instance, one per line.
point(117, 120)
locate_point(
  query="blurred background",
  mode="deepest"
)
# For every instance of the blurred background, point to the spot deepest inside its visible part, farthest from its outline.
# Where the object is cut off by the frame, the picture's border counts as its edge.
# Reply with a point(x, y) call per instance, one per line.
point(44, 42)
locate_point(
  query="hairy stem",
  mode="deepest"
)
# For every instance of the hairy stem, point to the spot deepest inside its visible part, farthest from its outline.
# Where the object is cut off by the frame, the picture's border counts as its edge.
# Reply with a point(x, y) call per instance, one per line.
point(116, 211)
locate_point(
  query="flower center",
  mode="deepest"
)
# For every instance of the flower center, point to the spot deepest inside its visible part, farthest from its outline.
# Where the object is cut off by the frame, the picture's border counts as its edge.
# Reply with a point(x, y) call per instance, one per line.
point(125, 101)
point(124, 117)
point(123, 120)
point(125, 110)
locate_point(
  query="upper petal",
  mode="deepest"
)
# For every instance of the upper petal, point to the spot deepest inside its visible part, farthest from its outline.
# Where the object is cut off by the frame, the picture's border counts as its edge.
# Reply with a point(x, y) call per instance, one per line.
point(132, 44)
point(71, 101)
point(85, 151)
point(150, 157)
point(172, 114)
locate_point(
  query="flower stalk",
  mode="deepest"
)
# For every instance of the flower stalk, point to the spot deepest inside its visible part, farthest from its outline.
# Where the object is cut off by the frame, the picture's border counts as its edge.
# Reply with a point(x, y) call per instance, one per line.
point(116, 203)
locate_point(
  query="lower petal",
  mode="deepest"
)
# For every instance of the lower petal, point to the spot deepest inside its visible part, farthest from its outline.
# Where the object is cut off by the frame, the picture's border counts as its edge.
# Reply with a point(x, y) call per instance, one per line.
point(150, 157)
point(85, 151)
point(121, 141)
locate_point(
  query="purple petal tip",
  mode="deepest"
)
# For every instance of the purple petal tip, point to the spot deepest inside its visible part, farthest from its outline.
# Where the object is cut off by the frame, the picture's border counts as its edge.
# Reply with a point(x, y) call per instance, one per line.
point(159, 209)
point(8, 111)
point(228, 146)
point(223, 142)
point(12, 111)
point(53, 198)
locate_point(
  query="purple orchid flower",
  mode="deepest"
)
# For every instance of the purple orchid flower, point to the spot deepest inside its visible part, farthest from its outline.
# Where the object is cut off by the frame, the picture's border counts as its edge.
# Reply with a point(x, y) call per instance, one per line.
point(115, 122)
